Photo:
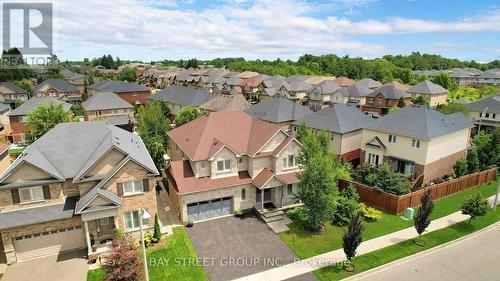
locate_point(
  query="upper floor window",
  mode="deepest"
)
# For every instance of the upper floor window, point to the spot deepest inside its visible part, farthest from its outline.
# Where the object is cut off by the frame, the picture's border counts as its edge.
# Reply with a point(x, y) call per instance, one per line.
point(289, 162)
point(132, 187)
point(202, 164)
point(392, 138)
point(32, 193)
point(415, 143)
point(223, 165)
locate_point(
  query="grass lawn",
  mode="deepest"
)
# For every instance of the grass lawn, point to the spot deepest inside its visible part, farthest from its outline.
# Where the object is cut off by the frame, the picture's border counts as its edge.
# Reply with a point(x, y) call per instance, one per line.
point(306, 245)
point(407, 248)
point(168, 260)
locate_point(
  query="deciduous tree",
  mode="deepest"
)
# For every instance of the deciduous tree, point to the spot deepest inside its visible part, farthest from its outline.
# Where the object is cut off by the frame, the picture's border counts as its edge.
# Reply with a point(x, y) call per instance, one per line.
point(475, 206)
point(123, 262)
point(422, 217)
point(43, 118)
point(153, 126)
point(352, 237)
point(187, 114)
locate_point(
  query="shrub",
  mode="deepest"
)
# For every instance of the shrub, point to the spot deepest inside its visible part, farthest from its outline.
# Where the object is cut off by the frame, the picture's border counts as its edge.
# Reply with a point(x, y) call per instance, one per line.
point(123, 262)
point(148, 239)
point(157, 231)
point(369, 213)
point(362, 171)
point(460, 167)
point(190, 223)
point(385, 179)
point(475, 206)
point(238, 213)
point(298, 214)
point(345, 207)
point(118, 233)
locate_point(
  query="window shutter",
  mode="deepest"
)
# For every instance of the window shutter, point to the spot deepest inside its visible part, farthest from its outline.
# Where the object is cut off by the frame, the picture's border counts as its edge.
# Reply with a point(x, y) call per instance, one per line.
point(15, 196)
point(145, 185)
point(119, 189)
point(46, 192)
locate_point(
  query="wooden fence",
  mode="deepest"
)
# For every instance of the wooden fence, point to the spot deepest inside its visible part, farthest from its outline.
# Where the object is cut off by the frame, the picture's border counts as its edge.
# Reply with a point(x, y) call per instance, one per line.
point(397, 204)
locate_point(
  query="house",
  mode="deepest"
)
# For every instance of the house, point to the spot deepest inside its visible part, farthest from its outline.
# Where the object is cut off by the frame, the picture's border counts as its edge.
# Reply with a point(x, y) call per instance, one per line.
point(416, 141)
point(57, 88)
point(463, 77)
point(179, 97)
point(397, 85)
point(4, 160)
point(5, 130)
point(133, 93)
point(487, 78)
point(382, 99)
point(111, 108)
point(320, 96)
point(10, 93)
point(72, 188)
point(295, 90)
point(343, 81)
point(435, 94)
point(235, 102)
point(269, 87)
point(76, 79)
point(228, 161)
point(17, 117)
point(345, 125)
point(278, 111)
point(485, 111)
point(355, 94)
point(369, 83)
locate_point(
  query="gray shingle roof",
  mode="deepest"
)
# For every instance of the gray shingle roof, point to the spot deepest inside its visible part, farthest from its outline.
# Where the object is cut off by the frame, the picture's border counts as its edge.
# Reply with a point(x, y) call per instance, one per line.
point(4, 107)
point(490, 102)
point(420, 122)
point(369, 83)
point(356, 90)
point(70, 75)
point(34, 102)
point(389, 92)
point(277, 110)
point(181, 95)
point(326, 87)
point(427, 87)
point(105, 100)
point(339, 119)
point(14, 87)
point(58, 84)
point(118, 86)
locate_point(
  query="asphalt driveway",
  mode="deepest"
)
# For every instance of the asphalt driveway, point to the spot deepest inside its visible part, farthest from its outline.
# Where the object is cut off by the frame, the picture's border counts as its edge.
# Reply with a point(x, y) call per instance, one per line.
point(235, 247)
point(66, 266)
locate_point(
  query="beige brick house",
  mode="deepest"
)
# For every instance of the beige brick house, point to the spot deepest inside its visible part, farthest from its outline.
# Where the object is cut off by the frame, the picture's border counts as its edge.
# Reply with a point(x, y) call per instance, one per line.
point(111, 108)
point(227, 161)
point(72, 187)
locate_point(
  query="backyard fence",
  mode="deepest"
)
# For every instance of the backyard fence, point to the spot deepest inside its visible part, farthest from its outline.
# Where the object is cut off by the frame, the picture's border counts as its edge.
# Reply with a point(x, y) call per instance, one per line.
point(397, 204)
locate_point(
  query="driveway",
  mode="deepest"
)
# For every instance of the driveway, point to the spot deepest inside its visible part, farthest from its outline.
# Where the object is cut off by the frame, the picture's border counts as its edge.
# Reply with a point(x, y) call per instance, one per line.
point(235, 247)
point(67, 266)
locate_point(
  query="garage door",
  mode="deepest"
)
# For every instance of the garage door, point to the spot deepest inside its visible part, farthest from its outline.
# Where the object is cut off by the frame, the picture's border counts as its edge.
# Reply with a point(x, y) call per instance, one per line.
point(210, 209)
point(49, 243)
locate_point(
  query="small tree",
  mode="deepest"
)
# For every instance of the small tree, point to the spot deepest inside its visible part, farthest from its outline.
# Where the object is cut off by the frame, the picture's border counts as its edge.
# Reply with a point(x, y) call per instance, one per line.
point(420, 100)
point(352, 238)
point(472, 161)
point(475, 206)
point(401, 102)
point(123, 262)
point(43, 118)
point(157, 231)
point(422, 217)
point(460, 167)
point(187, 114)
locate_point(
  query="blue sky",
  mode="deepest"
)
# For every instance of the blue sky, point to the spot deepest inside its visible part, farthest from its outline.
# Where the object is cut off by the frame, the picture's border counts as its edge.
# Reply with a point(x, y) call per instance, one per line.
point(266, 29)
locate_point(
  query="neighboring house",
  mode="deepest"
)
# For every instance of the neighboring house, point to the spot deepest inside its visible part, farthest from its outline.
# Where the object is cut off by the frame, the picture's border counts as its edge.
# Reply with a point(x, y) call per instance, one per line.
point(344, 123)
point(17, 117)
point(485, 111)
point(228, 161)
point(235, 102)
point(321, 95)
point(397, 85)
point(133, 93)
point(487, 78)
point(110, 108)
point(463, 77)
point(269, 87)
point(5, 130)
point(355, 94)
point(279, 111)
point(73, 187)
point(417, 140)
point(434, 93)
point(179, 97)
point(295, 90)
point(4, 160)
point(369, 83)
point(76, 79)
point(343, 81)
point(10, 92)
point(57, 88)
point(382, 99)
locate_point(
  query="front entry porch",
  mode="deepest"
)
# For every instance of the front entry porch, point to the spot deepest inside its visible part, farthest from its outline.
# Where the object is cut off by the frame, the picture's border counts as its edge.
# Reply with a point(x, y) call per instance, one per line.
point(99, 229)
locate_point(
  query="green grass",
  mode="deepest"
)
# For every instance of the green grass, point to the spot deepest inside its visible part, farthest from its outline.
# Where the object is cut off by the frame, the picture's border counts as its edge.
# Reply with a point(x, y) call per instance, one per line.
point(407, 248)
point(306, 245)
point(168, 259)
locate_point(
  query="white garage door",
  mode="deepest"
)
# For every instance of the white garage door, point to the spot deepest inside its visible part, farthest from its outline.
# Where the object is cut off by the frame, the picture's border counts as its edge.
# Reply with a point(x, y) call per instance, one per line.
point(49, 243)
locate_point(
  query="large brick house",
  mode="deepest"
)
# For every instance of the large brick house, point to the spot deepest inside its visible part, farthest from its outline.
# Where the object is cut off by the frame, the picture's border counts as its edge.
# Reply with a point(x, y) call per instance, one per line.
point(434, 93)
point(179, 97)
point(17, 117)
point(379, 102)
point(72, 187)
point(417, 140)
point(10, 93)
point(110, 108)
point(133, 93)
point(56, 88)
point(227, 161)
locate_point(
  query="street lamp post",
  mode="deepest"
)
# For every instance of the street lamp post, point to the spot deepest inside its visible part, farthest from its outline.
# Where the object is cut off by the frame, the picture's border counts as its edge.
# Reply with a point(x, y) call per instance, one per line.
point(144, 215)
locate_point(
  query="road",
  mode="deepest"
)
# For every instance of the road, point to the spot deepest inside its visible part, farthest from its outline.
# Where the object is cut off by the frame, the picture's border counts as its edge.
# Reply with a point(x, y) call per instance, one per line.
point(476, 257)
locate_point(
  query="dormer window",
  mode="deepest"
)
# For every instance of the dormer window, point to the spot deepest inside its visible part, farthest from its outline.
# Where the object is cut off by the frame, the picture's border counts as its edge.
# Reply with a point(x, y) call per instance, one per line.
point(223, 165)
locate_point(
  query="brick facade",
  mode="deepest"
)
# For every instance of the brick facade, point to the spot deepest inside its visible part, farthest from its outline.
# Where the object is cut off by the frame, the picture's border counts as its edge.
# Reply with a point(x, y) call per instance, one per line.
point(17, 128)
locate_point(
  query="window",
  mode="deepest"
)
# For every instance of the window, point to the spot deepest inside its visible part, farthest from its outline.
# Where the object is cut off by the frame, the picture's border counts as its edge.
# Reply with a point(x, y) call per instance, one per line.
point(223, 165)
point(415, 143)
point(132, 220)
point(240, 160)
point(487, 115)
point(33, 193)
point(22, 119)
point(202, 164)
point(98, 113)
point(243, 194)
point(392, 138)
point(289, 162)
point(103, 221)
point(494, 115)
point(373, 159)
point(331, 136)
point(295, 128)
point(132, 187)
point(289, 189)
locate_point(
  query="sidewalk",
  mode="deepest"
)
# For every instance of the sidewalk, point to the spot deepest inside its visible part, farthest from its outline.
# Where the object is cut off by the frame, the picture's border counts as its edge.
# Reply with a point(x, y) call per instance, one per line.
point(307, 265)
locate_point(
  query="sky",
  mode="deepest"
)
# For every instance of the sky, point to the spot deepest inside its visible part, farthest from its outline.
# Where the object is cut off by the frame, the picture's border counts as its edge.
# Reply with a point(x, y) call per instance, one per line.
point(266, 29)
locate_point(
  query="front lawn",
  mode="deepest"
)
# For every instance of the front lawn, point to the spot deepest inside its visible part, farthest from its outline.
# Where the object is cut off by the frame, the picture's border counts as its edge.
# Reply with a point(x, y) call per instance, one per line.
point(175, 259)
point(306, 245)
point(408, 247)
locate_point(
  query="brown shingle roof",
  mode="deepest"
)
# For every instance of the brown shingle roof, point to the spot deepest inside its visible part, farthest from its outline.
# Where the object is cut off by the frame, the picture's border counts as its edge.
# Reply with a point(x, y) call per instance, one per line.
point(343, 81)
point(226, 102)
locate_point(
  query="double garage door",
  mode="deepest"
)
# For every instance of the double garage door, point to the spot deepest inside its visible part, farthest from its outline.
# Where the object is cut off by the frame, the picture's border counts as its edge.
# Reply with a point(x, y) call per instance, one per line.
point(49, 243)
point(210, 209)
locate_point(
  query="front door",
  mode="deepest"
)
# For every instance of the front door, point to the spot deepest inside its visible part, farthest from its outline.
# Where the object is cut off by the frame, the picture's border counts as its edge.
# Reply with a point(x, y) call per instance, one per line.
point(267, 195)
point(401, 167)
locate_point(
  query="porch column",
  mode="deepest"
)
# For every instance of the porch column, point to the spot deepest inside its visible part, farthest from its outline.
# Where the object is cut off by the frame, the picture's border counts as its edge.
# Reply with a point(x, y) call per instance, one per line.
point(115, 221)
point(262, 200)
point(87, 237)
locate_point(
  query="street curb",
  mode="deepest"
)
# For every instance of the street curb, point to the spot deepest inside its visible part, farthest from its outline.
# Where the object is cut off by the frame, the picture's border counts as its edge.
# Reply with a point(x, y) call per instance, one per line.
point(407, 259)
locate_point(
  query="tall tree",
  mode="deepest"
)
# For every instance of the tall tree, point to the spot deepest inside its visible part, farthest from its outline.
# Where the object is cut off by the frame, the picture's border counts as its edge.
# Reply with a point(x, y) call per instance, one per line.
point(187, 114)
point(460, 167)
point(422, 217)
point(352, 238)
point(472, 161)
point(43, 118)
point(128, 74)
point(152, 127)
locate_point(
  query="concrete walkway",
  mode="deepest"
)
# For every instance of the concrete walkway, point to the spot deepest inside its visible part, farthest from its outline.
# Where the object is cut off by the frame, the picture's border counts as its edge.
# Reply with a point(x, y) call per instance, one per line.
point(308, 265)
point(167, 214)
